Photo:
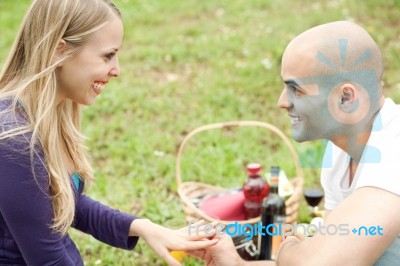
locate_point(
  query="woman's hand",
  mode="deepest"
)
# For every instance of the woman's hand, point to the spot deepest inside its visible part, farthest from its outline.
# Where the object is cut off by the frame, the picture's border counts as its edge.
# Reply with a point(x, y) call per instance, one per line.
point(164, 240)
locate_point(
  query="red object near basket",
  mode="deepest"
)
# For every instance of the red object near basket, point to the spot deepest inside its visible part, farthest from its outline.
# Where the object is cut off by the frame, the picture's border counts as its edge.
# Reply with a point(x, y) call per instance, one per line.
point(190, 191)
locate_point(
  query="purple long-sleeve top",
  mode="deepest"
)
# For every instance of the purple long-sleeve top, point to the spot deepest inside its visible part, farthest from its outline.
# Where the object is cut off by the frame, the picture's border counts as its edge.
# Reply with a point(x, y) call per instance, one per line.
point(26, 213)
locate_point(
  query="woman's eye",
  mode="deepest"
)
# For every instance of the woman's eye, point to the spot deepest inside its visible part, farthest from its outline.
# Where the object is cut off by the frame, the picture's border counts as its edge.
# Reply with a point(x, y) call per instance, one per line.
point(110, 56)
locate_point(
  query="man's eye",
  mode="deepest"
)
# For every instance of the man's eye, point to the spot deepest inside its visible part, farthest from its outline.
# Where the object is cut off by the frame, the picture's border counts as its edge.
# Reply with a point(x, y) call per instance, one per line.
point(291, 88)
point(295, 90)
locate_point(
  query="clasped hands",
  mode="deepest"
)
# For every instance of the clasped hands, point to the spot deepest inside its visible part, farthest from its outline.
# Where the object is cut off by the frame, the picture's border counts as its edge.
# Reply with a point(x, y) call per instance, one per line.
point(205, 243)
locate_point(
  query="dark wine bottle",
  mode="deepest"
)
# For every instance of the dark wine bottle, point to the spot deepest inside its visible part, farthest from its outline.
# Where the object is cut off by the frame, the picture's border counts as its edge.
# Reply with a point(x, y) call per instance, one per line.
point(272, 213)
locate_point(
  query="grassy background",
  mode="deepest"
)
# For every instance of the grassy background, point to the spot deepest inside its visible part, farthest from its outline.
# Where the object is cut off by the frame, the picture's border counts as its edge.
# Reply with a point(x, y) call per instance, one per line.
point(190, 63)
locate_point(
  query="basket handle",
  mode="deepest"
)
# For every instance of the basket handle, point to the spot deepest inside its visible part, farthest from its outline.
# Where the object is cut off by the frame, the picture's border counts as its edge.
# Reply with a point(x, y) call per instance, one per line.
point(230, 124)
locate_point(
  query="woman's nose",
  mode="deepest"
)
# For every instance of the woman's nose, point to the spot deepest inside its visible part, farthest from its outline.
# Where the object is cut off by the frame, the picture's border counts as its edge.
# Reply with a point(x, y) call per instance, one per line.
point(115, 70)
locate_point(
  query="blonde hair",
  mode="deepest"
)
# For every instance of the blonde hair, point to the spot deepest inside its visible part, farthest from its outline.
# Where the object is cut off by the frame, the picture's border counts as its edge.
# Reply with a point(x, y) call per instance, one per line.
point(29, 73)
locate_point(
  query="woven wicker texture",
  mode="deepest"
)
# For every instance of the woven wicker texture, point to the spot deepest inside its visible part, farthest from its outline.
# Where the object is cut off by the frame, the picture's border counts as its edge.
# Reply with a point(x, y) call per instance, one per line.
point(190, 190)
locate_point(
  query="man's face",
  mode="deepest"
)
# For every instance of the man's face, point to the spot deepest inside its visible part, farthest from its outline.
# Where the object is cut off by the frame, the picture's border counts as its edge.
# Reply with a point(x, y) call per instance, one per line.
point(305, 101)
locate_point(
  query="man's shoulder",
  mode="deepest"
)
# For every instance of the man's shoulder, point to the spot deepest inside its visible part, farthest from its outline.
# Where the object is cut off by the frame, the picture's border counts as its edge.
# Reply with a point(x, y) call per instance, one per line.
point(390, 109)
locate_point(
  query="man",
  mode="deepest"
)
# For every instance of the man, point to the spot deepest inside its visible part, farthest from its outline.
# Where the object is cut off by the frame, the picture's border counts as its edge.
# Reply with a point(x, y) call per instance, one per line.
point(333, 90)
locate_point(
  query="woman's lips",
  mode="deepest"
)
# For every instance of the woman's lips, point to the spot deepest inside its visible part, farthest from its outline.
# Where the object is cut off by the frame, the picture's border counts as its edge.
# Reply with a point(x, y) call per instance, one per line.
point(98, 87)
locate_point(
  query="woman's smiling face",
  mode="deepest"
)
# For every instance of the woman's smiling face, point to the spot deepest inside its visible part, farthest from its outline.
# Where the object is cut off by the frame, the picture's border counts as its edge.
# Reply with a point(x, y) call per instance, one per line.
point(83, 76)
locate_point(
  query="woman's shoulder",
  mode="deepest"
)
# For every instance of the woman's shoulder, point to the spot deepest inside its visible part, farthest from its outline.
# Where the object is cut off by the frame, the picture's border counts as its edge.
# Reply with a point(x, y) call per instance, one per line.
point(11, 115)
point(5, 104)
point(14, 136)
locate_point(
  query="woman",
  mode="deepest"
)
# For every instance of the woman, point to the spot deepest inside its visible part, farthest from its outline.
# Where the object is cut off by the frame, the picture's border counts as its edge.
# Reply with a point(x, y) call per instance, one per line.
point(64, 55)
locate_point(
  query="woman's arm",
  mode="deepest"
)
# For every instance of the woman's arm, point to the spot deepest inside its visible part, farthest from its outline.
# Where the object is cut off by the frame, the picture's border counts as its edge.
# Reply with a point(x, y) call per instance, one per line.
point(108, 225)
point(123, 231)
point(27, 211)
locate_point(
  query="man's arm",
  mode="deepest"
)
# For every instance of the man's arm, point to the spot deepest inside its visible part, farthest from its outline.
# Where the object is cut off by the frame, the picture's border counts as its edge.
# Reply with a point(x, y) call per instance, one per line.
point(326, 214)
point(368, 210)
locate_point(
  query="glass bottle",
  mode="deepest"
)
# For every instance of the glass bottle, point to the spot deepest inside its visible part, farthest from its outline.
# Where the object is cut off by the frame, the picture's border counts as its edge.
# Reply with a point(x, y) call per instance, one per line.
point(272, 216)
point(255, 189)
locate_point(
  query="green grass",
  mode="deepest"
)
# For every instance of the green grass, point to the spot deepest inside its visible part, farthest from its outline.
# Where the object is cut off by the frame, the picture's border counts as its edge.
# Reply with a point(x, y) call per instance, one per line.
point(190, 63)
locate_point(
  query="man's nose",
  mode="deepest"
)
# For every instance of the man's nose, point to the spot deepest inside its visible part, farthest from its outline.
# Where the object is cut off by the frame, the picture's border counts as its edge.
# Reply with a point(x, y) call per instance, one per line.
point(283, 101)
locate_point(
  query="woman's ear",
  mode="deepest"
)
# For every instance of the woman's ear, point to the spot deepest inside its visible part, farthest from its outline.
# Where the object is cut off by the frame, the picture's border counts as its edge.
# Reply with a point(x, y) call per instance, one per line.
point(61, 48)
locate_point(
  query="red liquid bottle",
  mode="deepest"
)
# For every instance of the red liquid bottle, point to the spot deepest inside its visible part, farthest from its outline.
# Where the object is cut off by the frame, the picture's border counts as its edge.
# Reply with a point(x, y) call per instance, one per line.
point(255, 189)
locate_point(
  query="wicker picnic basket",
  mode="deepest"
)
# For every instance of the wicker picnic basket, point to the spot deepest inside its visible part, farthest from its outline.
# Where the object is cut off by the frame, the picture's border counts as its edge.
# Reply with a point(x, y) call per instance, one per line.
point(190, 190)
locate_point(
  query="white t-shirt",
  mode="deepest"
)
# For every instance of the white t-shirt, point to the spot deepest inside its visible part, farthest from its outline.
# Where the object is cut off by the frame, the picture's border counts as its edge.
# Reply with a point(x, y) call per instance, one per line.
point(379, 167)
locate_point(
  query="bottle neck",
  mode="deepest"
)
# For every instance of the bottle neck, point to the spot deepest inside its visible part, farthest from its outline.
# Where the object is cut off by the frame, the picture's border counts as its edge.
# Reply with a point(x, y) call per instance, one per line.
point(273, 189)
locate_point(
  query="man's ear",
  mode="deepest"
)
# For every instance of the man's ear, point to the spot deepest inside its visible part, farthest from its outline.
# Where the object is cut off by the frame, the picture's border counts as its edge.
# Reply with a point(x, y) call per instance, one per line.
point(349, 103)
point(348, 98)
point(61, 48)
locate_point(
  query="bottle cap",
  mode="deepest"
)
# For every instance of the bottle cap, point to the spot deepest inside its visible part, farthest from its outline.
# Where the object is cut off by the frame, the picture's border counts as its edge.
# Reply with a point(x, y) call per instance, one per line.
point(253, 168)
point(275, 170)
point(275, 174)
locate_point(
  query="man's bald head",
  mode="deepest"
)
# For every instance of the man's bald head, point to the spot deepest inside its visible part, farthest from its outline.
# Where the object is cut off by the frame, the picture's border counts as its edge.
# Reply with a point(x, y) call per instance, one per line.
point(334, 47)
point(332, 75)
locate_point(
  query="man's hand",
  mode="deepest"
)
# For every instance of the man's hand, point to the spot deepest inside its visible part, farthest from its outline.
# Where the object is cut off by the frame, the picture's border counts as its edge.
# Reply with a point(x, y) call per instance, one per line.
point(221, 254)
